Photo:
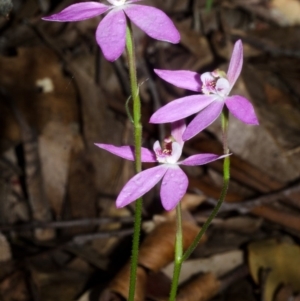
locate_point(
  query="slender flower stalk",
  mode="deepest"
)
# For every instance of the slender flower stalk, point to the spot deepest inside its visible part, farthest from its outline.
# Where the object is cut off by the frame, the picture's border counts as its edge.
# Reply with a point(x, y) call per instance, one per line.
point(226, 178)
point(178, 254)
point(113, 35)
point(138, 164)
point(180, 257)
point(174, 180)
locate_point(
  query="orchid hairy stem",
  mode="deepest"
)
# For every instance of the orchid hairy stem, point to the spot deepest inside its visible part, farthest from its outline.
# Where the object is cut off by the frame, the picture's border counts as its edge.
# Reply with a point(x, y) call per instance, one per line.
point(178, 254)
point(180, 257)
point(208, 5)
point(138, 165)
point(226, 177)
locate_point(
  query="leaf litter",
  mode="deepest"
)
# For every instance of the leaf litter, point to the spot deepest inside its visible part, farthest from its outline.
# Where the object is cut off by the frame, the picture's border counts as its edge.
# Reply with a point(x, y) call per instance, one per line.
point(61, 237)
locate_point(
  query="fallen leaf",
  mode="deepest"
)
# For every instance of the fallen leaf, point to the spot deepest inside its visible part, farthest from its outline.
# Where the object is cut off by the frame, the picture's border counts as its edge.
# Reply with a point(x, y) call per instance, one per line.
point(218, 264)
point(55, 145)
point(202, 288)
point(280, 262)
point(287, 12)
point(5, 252)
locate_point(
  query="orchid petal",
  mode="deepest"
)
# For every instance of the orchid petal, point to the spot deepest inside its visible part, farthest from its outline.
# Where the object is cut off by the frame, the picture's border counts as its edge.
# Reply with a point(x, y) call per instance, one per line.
point(178, 128)
point(176, 153)
point(173, 187)
point(236, 63)
point(188, 80)
point(153, 22)
point(78, 12)
point(207, 78)
point(157, 147)
point(242, 109)
point(110, 34)
point(222, 87)
point(208, 83)
point(127, 152)
point(117, 2)
point(181, 108)
point(140, 184)
point(201, 159)
point(203, 119)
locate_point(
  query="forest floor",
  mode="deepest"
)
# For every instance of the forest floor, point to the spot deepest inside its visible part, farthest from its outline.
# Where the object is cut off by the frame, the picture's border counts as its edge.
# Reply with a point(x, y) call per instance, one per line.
point(62, 237)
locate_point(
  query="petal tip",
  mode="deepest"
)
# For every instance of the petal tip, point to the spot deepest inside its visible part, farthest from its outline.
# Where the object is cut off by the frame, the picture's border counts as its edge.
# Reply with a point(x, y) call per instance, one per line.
point(153, 119)
point(121, 201)
point(119, 206)
point(175, 39)
point(169, 208)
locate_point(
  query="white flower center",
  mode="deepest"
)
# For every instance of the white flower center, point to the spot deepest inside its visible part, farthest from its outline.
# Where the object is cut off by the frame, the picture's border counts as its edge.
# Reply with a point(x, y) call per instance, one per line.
point(117, 2)
point(170, 153)
point(215, 83)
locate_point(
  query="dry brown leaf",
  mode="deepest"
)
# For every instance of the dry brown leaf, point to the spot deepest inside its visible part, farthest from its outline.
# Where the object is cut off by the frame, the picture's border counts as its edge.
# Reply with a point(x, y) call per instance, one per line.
point(218, 264)
point(280, 261)
point(5, 252)
point(278, 216)
point(13, 208)
point(42, 93)
point(120, 284)
point(14, 288)
point(286, 12)
point(55, 145)
point(157, 249)
point(241, 224)
point(190, 201)
point(81, 189)
point(285, 293)
point(202, 288)
point(193, 41)
point(60, 285)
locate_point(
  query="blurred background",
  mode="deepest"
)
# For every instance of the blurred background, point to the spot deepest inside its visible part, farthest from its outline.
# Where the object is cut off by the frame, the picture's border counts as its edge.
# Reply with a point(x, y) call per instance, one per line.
point(61, 236)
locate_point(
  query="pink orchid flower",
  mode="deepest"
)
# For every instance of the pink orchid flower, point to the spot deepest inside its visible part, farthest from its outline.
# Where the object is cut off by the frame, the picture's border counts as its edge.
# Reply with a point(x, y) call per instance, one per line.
point(111, 31)
point(175, 181)
point(215, 87)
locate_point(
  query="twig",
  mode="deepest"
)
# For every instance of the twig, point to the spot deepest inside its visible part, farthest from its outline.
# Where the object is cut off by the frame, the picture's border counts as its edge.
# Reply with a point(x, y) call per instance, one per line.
point(65, 224)
point(248, 205)
point(264, 45)
point(84, 238)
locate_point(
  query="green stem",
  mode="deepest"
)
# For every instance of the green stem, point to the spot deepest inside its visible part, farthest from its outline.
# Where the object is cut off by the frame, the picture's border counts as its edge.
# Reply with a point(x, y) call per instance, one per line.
point(208, 5)
point(138, 165)
point(178, 254)
point(226, 177)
